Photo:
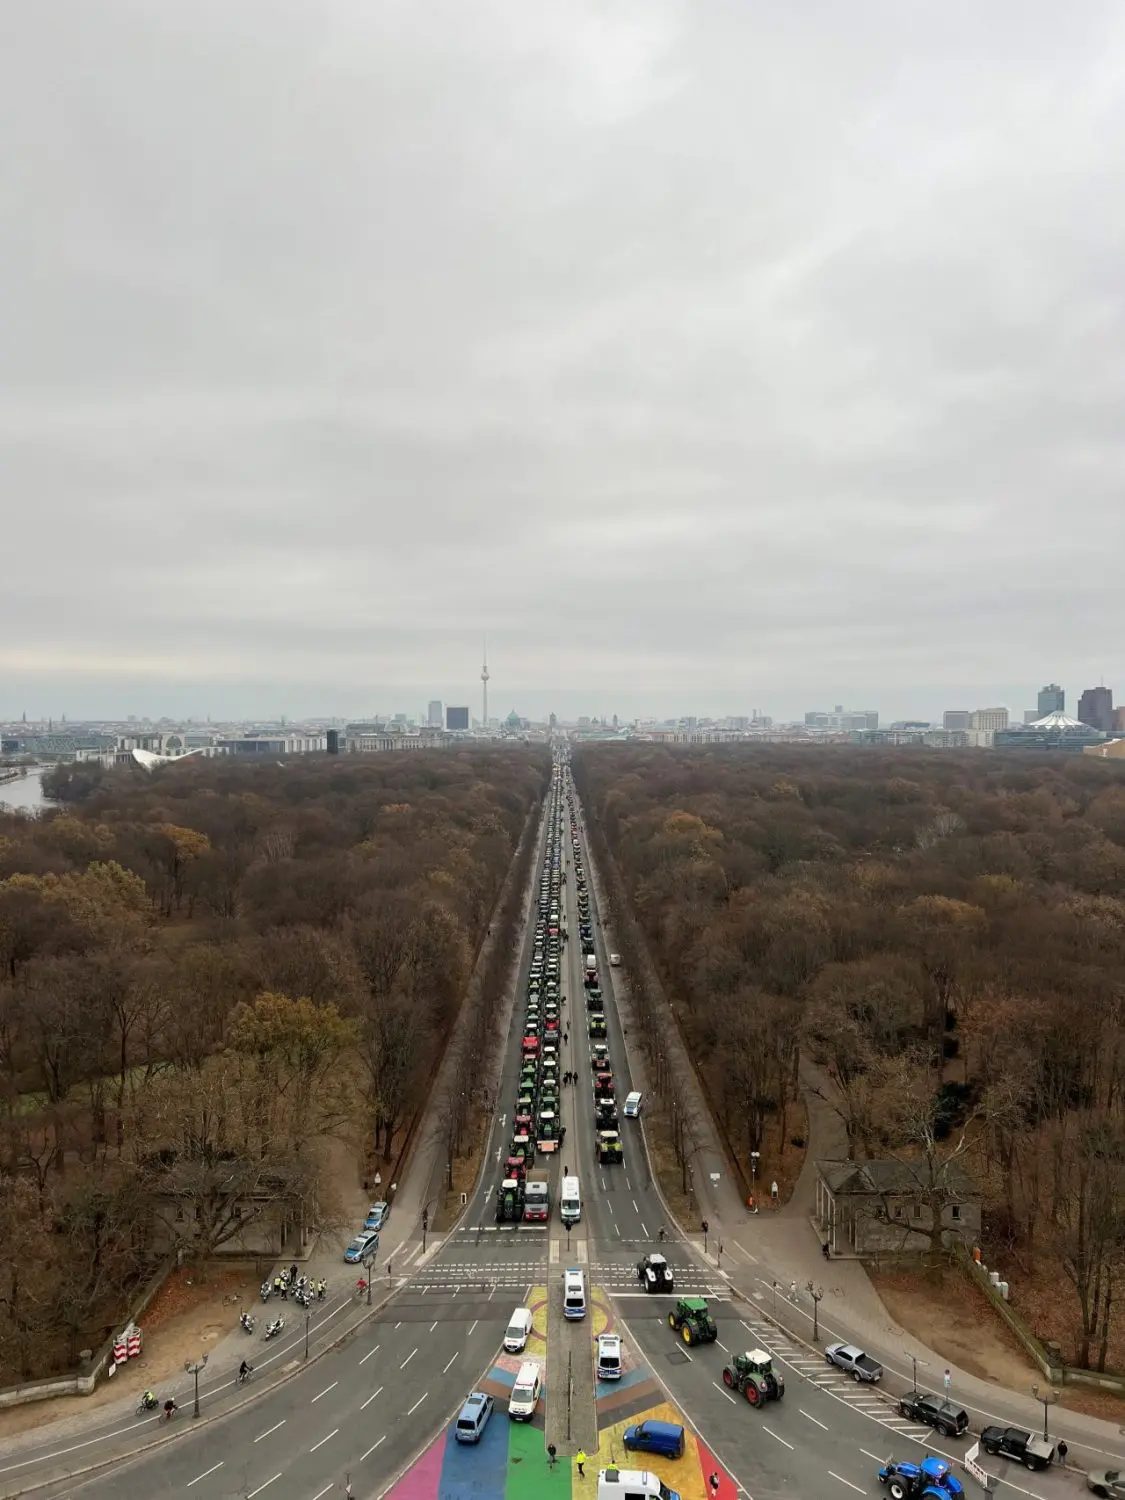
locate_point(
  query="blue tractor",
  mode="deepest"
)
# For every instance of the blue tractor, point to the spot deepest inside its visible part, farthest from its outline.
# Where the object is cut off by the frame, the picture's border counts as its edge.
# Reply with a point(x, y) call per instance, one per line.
point(932, 1479)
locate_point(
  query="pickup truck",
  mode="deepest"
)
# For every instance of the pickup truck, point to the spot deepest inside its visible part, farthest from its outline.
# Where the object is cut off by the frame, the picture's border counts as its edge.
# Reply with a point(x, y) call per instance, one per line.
point(1014, 1442)
point(859, 1366)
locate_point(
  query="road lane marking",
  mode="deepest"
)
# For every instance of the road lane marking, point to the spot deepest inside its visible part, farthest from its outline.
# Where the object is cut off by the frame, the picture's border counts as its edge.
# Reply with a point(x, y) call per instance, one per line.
point(875, 1456)
point(369, 1353)
point(417, 1403)
point(474, 1324)
point(433, 1325)
point(324, 1392)
point(636, 1210)
point(409, 1357)
point(268, 1430)
point(205, 1473)
point(811, 1418)
point(644, 1229)
point(362, 1456)
point(774, 1435)
point(324, 1439)
point(723, 1391)
point(371, 1398)
point(262, 1487)
point(848, 1482)
point(722, 1346)
point(321, 1493)
point(452, 1357)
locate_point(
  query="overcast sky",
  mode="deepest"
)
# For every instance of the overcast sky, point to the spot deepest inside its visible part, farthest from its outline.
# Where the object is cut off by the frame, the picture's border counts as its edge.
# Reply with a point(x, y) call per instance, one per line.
point(705, 356)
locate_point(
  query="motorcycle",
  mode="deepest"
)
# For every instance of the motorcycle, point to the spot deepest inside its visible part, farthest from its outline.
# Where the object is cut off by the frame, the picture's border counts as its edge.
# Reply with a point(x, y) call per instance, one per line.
point(274, 1328)
point(244, 1375)
point(302, 1298)
point(148, 1402)
point(267, 1291)
point(246, 1323)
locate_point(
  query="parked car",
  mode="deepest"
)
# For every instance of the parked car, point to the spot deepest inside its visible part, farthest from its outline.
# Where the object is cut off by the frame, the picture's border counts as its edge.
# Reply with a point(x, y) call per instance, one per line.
point(934, 1411)
point(1015, 1442)
point(1109, 1483)
point(365, 1243)
point(855, 1362)
point(666, 1438)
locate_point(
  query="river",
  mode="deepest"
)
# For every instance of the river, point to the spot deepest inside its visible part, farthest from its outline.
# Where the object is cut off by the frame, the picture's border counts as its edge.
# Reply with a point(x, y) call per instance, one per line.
point(25, 792)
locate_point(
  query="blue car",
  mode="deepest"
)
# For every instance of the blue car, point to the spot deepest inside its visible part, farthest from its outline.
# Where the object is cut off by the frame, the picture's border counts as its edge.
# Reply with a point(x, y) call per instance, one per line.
point(365, 1243)
point(665, 1438)
point(377, 1216)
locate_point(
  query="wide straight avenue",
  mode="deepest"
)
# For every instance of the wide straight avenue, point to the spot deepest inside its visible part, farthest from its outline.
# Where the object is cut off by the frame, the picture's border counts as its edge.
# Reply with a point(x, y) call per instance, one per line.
point(355, 1419)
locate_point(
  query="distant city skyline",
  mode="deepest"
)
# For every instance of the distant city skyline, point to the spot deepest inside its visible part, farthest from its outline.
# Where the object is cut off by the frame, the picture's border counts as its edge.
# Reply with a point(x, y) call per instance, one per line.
point(419, 702)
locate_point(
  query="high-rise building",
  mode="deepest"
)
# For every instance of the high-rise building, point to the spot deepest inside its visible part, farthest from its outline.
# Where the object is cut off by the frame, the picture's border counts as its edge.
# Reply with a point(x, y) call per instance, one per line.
point(484, 684)
point(1052, 700)
point(433, 714)
point(1118, 718)
point(1095, 707)
point(956, 718)
point(988, 720)
point(457, 718)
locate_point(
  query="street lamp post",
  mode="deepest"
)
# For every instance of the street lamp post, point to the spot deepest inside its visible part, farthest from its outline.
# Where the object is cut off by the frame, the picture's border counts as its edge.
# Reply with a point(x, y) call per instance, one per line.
point(308, 1315)
point(816, 1293)
point(1047, 1398)
point(368, 1266)
point(193, 1367)
point(915, 1362)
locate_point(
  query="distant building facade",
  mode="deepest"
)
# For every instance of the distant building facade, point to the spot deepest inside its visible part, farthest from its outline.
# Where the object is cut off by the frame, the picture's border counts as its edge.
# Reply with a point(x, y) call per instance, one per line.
point(1095, 707)
point(434, 713)
point(988, 720)
point(457, 718)
point(864, 1207)
point(1052, 700)
point(956, 718)
point(1053, 732)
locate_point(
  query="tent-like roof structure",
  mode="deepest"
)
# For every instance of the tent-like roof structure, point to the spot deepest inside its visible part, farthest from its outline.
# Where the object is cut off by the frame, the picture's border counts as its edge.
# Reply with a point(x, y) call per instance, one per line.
point(1057, 720)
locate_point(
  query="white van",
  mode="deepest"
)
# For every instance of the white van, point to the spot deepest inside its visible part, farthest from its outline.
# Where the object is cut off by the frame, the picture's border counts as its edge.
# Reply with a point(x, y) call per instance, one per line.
point(632, 1484)
point(525, 1393)
point(574, 1293)
point(518, 1330)
point(632, 1105)
point(570, 1201)
point(608, 1366)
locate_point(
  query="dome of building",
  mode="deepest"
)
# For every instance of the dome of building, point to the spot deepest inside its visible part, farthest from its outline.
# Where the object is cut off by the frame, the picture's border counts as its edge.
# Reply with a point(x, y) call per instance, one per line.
point(1057, 720)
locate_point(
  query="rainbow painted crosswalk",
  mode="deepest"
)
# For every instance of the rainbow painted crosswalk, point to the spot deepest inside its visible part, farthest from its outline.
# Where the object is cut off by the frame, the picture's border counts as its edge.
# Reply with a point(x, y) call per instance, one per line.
point(510, 1461)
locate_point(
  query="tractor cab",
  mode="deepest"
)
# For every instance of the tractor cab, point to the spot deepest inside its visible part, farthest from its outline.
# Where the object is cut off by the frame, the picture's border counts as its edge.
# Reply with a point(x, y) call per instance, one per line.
point(603, 1084)
point(752, 1375)
point(531, 1045)
point(509, 1201)
point(596, 1025)
point(599, 1056)
point(655, 1274)
point(605, 1112)
point(932, 1479)
point(609, 1147)
point(523, 1123)
point(692, 1321)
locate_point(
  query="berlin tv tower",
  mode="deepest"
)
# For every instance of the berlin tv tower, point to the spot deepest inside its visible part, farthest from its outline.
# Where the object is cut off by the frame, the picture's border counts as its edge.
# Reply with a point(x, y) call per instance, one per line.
point(484, 681)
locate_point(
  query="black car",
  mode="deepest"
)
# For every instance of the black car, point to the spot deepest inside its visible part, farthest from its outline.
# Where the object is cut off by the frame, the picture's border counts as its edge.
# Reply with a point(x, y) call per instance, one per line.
point(934, 1411)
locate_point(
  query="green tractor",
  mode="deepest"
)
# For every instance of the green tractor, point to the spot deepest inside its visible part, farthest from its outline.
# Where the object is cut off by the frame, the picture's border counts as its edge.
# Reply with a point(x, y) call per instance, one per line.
point(691, 1320)
point(509, 1201)
point(597, 1027)
point(752, 1375)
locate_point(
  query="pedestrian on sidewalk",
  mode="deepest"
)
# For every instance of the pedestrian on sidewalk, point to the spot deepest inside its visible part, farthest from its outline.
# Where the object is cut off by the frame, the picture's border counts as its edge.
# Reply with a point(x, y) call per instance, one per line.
point(552, 1455)
point(1061, 1451)
point(948, 1379)
point(714, 1481)
point(580, 1459)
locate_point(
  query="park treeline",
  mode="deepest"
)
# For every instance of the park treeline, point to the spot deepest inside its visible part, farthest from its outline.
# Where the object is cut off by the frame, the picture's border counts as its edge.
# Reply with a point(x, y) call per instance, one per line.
point(943, 934)
point(207, 971)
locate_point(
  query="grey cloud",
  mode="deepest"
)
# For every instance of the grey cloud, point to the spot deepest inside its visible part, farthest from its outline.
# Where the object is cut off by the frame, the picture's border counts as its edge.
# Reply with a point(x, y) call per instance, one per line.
point(702, 355)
